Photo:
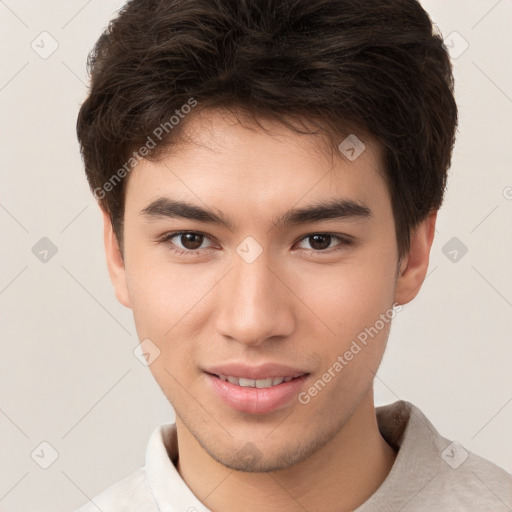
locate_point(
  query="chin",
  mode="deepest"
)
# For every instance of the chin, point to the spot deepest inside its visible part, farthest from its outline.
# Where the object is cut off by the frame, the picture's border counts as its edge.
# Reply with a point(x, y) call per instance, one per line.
point(265, 455)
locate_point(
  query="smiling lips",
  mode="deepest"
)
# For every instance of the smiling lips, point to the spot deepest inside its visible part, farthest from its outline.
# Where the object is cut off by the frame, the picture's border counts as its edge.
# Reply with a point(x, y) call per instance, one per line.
point(254, 383)
point(255, 389)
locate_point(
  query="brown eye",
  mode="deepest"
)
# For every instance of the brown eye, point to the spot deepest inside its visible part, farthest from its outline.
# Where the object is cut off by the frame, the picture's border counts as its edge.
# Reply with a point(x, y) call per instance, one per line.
point(320, 242)
point(325, 242)
point(191, 241)
point(186, 242)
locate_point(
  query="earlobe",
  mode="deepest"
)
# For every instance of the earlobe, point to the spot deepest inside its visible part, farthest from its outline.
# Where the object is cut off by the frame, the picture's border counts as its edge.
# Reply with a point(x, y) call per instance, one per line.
point(115, 263)
point(413, 268)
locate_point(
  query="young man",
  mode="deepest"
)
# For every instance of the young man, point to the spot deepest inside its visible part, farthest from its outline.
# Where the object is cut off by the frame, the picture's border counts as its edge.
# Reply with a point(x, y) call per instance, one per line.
point(269, 173)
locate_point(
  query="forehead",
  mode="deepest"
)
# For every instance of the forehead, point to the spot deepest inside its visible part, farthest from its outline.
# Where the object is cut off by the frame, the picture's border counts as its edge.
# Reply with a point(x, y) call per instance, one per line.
point(222, 158)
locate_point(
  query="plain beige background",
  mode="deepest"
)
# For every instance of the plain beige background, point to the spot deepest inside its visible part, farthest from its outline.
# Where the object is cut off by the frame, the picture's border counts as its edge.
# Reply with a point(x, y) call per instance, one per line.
point(68, 376)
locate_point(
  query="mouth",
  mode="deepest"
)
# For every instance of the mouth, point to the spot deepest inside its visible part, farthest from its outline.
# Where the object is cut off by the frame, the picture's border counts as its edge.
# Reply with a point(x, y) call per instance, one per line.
point(255, 383)
point(256, 395)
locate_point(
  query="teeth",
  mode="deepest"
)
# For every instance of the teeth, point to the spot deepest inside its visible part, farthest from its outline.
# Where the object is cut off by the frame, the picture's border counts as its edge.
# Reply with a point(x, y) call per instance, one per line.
point(266, 383)
point(255, 383)
point(247, 383)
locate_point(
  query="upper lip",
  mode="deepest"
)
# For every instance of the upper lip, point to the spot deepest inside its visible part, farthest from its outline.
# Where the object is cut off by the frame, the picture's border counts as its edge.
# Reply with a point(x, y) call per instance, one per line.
point(262, 371)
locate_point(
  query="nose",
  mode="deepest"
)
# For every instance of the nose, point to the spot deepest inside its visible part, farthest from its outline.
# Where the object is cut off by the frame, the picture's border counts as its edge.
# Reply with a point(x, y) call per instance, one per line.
point(254, 304)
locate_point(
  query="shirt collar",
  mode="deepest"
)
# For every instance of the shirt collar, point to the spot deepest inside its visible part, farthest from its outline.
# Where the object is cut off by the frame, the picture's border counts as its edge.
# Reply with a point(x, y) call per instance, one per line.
point(169, 490)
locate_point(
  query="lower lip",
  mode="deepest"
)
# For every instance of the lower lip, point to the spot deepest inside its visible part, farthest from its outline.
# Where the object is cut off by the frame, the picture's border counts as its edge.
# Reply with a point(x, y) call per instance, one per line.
point(256, 400)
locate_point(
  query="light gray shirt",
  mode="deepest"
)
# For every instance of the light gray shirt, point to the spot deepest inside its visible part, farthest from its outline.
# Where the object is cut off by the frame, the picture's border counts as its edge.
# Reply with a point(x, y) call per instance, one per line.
point(430, 473)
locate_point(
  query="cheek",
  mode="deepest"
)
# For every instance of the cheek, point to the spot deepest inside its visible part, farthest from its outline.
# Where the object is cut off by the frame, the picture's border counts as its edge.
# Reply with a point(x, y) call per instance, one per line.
point(165, 296)
point(357, 308)
point(169, 304)
point(349, 298)
point(355, 301)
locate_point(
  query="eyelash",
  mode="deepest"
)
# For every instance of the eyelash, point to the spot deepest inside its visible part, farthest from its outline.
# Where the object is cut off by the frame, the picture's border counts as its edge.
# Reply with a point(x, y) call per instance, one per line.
point(165, 239)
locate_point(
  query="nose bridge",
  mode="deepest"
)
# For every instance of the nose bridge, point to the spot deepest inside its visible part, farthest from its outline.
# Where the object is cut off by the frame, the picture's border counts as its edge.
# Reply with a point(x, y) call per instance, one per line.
point(252, 305)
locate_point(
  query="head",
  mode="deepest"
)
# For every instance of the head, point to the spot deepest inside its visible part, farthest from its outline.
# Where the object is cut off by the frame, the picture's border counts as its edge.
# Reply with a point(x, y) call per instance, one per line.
point(303, 149)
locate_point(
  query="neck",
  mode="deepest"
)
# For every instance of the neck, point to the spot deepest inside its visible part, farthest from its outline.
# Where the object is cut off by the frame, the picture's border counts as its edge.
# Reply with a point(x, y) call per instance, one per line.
point(338, 477)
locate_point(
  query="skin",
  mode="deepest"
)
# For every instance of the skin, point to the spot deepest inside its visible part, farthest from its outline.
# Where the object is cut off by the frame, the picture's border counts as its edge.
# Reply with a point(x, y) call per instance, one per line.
point(292, 305)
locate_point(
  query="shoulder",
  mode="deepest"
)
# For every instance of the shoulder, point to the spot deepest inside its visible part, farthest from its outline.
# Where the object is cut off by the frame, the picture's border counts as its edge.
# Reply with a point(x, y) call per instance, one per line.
point(477, 485)
point(432, 472)
point(132, 493)
point(470, 482)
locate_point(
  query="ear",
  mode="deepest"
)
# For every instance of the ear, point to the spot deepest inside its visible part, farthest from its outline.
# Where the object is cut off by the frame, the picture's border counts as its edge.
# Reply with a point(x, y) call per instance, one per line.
point(413, 267)
point(115, 261)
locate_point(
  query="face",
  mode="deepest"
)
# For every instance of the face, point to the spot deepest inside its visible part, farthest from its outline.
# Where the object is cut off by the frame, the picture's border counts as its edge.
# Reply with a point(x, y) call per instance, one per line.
point(240, 276)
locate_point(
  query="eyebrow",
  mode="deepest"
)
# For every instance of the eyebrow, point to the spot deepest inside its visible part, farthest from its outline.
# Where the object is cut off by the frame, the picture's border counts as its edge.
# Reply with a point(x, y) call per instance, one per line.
point(339, 208)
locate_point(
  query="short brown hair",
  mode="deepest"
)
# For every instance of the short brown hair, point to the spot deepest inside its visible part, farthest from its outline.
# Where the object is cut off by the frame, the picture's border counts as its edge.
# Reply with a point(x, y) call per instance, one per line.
point(377, 65)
